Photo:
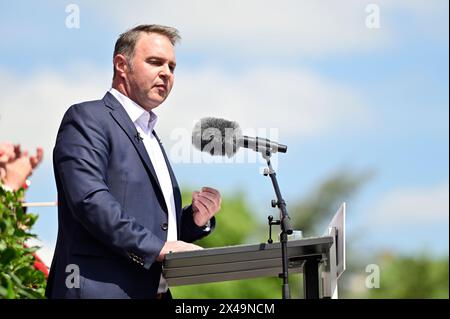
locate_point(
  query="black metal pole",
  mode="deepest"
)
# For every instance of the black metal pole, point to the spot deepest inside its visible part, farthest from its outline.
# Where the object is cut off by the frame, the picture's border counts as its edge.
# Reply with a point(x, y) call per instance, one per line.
point(286, 228)
point(311, 278)
point(285, 274)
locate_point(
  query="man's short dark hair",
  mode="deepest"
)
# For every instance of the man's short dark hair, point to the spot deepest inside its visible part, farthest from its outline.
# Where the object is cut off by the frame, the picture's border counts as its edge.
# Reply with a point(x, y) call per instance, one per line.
point(126, 42)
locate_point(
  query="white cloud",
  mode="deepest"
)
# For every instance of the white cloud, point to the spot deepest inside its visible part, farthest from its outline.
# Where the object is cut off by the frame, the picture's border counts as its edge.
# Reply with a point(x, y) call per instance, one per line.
point(31, 107)
point(413, 206)
point(282, 28)
point(298, 103)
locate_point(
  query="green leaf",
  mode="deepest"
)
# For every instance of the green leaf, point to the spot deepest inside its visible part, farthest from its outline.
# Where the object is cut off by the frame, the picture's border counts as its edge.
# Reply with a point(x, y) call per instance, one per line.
point(7, 255)
point(18, 277)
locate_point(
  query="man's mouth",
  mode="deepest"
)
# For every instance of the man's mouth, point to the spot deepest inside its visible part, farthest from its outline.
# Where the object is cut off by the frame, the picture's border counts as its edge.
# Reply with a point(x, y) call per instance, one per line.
point(161, 87)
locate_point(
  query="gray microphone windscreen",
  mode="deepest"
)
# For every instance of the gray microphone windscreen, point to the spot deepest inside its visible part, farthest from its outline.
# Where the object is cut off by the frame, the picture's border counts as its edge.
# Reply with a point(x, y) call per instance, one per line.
point(216, 136)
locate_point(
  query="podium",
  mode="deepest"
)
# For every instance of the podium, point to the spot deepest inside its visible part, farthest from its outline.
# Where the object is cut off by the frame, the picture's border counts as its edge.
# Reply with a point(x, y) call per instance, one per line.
point(320, 259)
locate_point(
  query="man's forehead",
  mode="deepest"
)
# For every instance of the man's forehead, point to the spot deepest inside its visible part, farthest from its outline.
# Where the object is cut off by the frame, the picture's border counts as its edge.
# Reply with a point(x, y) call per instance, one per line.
point(155, 44)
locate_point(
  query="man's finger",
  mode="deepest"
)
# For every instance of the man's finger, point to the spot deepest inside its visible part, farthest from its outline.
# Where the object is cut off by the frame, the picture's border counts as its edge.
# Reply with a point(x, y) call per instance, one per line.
point(209, 197)
point(208, 203)
point(201, 207)
point(210, 190)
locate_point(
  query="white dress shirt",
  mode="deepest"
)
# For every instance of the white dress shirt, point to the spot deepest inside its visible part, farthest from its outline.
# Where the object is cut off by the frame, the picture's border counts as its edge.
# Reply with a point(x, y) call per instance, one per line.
point(145, 123)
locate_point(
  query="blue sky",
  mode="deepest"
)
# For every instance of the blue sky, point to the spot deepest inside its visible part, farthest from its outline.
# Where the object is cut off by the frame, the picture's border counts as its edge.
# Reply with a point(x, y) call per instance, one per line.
point(340, 94)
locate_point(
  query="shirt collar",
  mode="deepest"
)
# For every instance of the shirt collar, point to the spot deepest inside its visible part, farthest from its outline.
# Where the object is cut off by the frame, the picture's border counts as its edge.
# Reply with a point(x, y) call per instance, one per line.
point(146, 120)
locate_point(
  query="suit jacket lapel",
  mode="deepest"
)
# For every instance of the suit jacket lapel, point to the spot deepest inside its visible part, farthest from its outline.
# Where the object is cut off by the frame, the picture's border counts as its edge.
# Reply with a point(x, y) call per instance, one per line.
point(176, 188)
point(123, 120)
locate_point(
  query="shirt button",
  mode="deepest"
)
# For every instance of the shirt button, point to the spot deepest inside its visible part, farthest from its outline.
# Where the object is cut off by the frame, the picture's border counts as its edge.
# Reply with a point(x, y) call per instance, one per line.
point(164, 226)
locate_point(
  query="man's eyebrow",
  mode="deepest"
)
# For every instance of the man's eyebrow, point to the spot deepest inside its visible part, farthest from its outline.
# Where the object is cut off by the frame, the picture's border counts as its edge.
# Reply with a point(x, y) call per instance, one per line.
point(154, 57)
point(161, 60)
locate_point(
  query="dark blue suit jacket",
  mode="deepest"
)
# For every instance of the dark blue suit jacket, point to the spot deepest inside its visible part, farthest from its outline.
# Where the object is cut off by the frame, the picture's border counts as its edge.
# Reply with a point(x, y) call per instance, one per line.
point(112, 216)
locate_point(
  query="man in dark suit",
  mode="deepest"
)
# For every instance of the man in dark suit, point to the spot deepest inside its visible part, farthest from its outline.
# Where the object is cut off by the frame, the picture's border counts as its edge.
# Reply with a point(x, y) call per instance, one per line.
point(119, 204)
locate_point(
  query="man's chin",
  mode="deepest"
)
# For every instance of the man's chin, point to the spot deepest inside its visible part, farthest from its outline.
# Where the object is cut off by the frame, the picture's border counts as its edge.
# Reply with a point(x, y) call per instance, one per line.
point(154, 102)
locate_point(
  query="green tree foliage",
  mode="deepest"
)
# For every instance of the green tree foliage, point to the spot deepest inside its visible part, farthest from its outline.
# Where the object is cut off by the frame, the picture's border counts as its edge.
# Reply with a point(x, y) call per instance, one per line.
point(18, 277)
point(320, 205)
point(405, 277)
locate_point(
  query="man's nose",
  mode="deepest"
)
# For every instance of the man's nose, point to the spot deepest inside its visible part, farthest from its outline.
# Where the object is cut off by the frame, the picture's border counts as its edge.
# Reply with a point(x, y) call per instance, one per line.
point(165, 70)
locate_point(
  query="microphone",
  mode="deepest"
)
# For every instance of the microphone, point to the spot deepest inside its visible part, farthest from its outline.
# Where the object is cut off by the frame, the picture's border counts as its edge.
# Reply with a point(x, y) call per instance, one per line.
point(260, 144)
point(223, 137)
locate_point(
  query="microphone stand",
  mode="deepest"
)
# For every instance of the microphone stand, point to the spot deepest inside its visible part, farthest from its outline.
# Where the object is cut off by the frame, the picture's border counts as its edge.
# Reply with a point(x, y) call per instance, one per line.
point(285, 223)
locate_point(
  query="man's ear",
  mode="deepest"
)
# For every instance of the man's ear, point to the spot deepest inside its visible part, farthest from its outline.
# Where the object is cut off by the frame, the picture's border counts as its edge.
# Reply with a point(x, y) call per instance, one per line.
point(120, 65)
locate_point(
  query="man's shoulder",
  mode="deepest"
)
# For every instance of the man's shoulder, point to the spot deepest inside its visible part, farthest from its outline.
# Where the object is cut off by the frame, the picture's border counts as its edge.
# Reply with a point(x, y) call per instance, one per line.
point(91, 108)
point(87, 116)
point(98, 105)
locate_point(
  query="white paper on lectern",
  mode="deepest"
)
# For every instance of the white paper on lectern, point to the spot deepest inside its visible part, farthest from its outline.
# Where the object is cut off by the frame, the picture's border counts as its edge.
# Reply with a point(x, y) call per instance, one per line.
point(338, 222)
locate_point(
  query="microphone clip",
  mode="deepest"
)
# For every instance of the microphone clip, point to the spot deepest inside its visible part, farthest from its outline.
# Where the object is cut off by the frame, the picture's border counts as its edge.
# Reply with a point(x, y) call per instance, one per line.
point(138, 137)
